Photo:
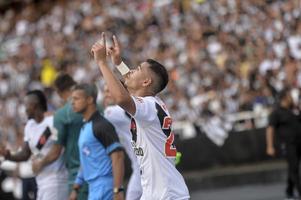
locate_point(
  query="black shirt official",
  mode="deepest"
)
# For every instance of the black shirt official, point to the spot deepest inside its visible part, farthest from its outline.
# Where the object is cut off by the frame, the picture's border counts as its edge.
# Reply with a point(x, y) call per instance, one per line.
point(285, 125)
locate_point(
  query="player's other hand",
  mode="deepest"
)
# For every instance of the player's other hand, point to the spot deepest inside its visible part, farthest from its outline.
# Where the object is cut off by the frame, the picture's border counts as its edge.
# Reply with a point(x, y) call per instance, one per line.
point(271, 151)
point(119, 196)
point(114, 51)
point(73, 195)
point(99, 49)
point(36, 166)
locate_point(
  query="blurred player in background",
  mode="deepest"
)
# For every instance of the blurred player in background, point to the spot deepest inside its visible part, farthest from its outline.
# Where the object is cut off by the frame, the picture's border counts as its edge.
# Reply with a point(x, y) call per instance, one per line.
point(68, 124)
point(152, 137)
point(39, 137)
point(101, 154)
point(122, 123)
point(286, 126)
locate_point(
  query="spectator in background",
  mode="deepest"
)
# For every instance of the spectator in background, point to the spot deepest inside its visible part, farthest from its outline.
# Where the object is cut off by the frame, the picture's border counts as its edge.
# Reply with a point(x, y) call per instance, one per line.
point(285, 126)
point(68, 124)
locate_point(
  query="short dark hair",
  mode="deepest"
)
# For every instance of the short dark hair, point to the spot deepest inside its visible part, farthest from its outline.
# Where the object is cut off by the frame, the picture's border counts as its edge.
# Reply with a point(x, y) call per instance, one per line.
point(90, 90)
point(160, 72)
point(42, 100)
point(64, 82)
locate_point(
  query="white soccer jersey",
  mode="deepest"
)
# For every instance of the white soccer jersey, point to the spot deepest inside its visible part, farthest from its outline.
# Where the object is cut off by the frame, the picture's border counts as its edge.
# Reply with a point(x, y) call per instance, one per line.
point(153, 145)
point(41, 137)
point(122, 123)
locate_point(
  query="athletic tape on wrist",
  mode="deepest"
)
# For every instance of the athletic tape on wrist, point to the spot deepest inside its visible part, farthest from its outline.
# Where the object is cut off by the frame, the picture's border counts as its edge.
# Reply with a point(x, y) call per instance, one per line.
point(123, 69)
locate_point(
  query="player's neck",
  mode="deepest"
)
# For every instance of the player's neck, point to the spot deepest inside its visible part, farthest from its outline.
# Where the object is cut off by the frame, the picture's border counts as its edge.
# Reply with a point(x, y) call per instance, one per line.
point(39, 116)
point(89, 112)
point(285, 105)
point(141, 92)
point(66, 95)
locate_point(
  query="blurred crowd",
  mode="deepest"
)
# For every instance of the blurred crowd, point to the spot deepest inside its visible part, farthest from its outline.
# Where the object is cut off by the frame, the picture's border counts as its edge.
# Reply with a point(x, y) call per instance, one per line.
point(223, 56)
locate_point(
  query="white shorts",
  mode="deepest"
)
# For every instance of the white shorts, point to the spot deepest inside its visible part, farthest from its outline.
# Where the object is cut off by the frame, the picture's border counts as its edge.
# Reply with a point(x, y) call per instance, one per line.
point(134, 188)
point(59, 192)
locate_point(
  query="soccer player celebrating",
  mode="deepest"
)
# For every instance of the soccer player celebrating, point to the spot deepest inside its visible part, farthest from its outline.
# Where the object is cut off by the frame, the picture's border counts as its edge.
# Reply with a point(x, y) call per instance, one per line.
point(122, 123)
point(152, 138)
point(39, 137)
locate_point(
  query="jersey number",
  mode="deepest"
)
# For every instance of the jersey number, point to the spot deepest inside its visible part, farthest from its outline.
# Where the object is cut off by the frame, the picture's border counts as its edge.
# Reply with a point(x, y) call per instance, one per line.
point(166, 121)
point(170, 150)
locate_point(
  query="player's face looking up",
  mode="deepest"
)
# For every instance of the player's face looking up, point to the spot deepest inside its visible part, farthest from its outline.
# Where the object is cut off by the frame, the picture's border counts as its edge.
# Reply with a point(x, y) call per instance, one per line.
point(79, 101)
point(138, 77)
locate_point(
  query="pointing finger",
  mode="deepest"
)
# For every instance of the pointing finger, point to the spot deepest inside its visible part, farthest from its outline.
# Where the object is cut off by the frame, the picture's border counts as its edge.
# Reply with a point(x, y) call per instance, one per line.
point(115, 41)
point(103, 39)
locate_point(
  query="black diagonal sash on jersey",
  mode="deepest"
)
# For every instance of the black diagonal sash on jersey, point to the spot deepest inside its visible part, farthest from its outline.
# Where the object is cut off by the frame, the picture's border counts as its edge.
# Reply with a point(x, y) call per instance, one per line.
point(133, 127)
point(43, 139)
point(128, 115)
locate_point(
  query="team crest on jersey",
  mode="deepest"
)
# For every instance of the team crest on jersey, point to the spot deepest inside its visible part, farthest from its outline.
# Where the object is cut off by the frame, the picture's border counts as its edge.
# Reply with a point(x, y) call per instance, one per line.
point(86, 150)
point(137, 150)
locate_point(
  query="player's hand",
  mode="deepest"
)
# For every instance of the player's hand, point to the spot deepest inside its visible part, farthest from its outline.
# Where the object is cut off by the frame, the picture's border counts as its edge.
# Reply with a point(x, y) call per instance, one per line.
point(36, 166)
point(99, 49)
point(114, 52)
point(119, 196)
point(73, 195)
point(271, 151)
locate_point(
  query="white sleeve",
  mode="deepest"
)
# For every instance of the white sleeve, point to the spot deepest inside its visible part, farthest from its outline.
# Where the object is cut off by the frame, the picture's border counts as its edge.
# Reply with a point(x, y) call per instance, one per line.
point(110, 114)
point(145, 109)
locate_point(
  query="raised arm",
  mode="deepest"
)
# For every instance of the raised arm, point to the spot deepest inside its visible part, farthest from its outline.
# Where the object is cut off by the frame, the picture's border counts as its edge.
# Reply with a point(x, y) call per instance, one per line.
point(118, 92)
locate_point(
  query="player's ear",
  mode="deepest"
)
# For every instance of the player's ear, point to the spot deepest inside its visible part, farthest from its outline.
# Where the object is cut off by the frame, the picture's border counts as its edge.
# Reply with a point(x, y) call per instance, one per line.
point(90, 100)
point(147, 81)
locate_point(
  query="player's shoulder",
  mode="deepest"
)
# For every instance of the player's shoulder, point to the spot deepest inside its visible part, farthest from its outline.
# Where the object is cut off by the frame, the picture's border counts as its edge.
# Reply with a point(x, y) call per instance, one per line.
point(49, 120)
point(100, 123)
point(30, 123)
point(61, 111)
point(156, 101)
point(66, 114)
point(29, 126)
point(113, 110)
point(96, 118)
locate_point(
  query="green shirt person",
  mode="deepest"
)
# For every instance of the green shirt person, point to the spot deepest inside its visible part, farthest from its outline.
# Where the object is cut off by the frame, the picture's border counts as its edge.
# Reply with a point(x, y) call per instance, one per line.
point(68, 125)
